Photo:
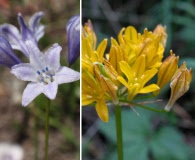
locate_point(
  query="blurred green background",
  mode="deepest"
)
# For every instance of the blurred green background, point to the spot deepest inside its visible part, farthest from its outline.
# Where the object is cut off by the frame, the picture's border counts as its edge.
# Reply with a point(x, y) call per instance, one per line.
point(150, 136)
point(25, 126)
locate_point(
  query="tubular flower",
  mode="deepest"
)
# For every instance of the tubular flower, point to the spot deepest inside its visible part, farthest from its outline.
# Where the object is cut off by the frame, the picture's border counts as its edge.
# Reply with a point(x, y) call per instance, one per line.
point(89, 33)
point(92, 92)
point(89, 56)
point(73, 30)
point(44, 73)
point(7, 55)
point(91, 53)
point(180, 84)
point(167, 70)
point(106, 77)
point(17, 38)
point(160, 30)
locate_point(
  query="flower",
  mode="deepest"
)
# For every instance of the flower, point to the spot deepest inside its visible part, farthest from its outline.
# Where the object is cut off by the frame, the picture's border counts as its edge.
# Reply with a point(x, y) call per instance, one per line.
point(7, 55)
point(44, 73)
point(17, 39)
point(89, 33)
point(160, 30)
point(137, 78)
point(180, 84)
point(73, 30)
point(92, 92)
point(167, 70)
point(11, 152)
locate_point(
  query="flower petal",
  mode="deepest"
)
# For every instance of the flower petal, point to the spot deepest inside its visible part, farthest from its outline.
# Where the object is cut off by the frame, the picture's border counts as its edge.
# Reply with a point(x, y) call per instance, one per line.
point(12, 34)
point(102, 110)
point(52, 57)
point(127, 70)
point(66, 75)
point(36, 28)
point(31, 91)
point(86, 100)
point(149, 88)
point(36, 56)
point(24, 71)
point(26, 33)
point(50, 90)
point(8, 57)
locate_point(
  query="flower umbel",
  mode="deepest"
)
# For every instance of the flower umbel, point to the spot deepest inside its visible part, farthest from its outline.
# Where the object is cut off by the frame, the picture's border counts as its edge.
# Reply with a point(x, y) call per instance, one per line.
point(17, 38)
point(128, 69)
point(44, 73)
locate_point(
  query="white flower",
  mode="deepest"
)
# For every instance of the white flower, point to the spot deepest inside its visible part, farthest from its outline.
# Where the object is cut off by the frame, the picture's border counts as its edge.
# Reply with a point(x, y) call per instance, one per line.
point(44, 72)
point(10, 152)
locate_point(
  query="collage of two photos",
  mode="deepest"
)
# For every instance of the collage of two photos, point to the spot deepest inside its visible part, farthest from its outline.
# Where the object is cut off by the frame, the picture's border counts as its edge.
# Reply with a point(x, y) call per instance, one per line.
point(97, 80)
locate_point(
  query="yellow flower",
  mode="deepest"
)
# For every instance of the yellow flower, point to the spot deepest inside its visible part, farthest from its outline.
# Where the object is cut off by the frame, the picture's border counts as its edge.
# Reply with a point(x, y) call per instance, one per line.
point(92, 92)
point(89, 33)
point(167, 70)
point(116, 55)
point(127, 69)
point(137, 78)
point(160, 30)
point(180, 84)
point(89, 56)
point(107, 78)
point(135, 45)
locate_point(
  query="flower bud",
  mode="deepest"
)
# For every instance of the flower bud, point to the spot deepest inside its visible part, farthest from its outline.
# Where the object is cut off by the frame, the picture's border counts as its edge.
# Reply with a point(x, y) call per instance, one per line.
point(7, 55)
point(167, 70)
point(89, 33)
point(160, 30)
point(73, 30)
point(179, 84)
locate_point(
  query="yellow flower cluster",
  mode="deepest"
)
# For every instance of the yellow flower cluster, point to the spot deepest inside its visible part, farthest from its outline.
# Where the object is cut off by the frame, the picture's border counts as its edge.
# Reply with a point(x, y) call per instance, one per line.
point(126, 70)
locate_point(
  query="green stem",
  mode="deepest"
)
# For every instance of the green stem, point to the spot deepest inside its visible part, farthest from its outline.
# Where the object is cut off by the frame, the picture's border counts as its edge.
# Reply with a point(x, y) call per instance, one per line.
point(119, 132)
point(35, 139)
point(142, 106)
point(47, 129)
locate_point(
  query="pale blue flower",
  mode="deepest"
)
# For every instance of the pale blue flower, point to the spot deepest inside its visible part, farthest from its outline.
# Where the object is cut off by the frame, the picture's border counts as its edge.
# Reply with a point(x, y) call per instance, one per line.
point(32, 32)
point(7, 55)
point(73, 31)
point(44, 73)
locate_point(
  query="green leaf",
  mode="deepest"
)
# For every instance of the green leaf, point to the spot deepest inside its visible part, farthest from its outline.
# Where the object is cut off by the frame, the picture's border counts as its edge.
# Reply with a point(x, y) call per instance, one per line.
point(140, 139)
point(168, 144)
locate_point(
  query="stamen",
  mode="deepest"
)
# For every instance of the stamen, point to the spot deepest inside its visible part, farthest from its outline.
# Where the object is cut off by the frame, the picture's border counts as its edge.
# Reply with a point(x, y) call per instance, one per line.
point(45, 76)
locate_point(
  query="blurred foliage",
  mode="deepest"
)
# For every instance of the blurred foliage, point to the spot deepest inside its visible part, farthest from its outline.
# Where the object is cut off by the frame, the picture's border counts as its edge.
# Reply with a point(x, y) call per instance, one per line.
point(141, 140)
point(146, 139)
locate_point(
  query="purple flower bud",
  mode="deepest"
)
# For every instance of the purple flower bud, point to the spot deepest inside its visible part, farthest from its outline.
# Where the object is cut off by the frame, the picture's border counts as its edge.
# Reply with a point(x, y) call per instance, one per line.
point(73, 30)
point(7, 55)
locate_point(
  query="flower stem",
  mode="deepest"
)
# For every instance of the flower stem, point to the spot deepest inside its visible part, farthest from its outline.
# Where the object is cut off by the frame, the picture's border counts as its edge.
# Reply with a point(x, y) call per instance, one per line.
point(47, 129)
point(119, 132)
point(35, 139)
